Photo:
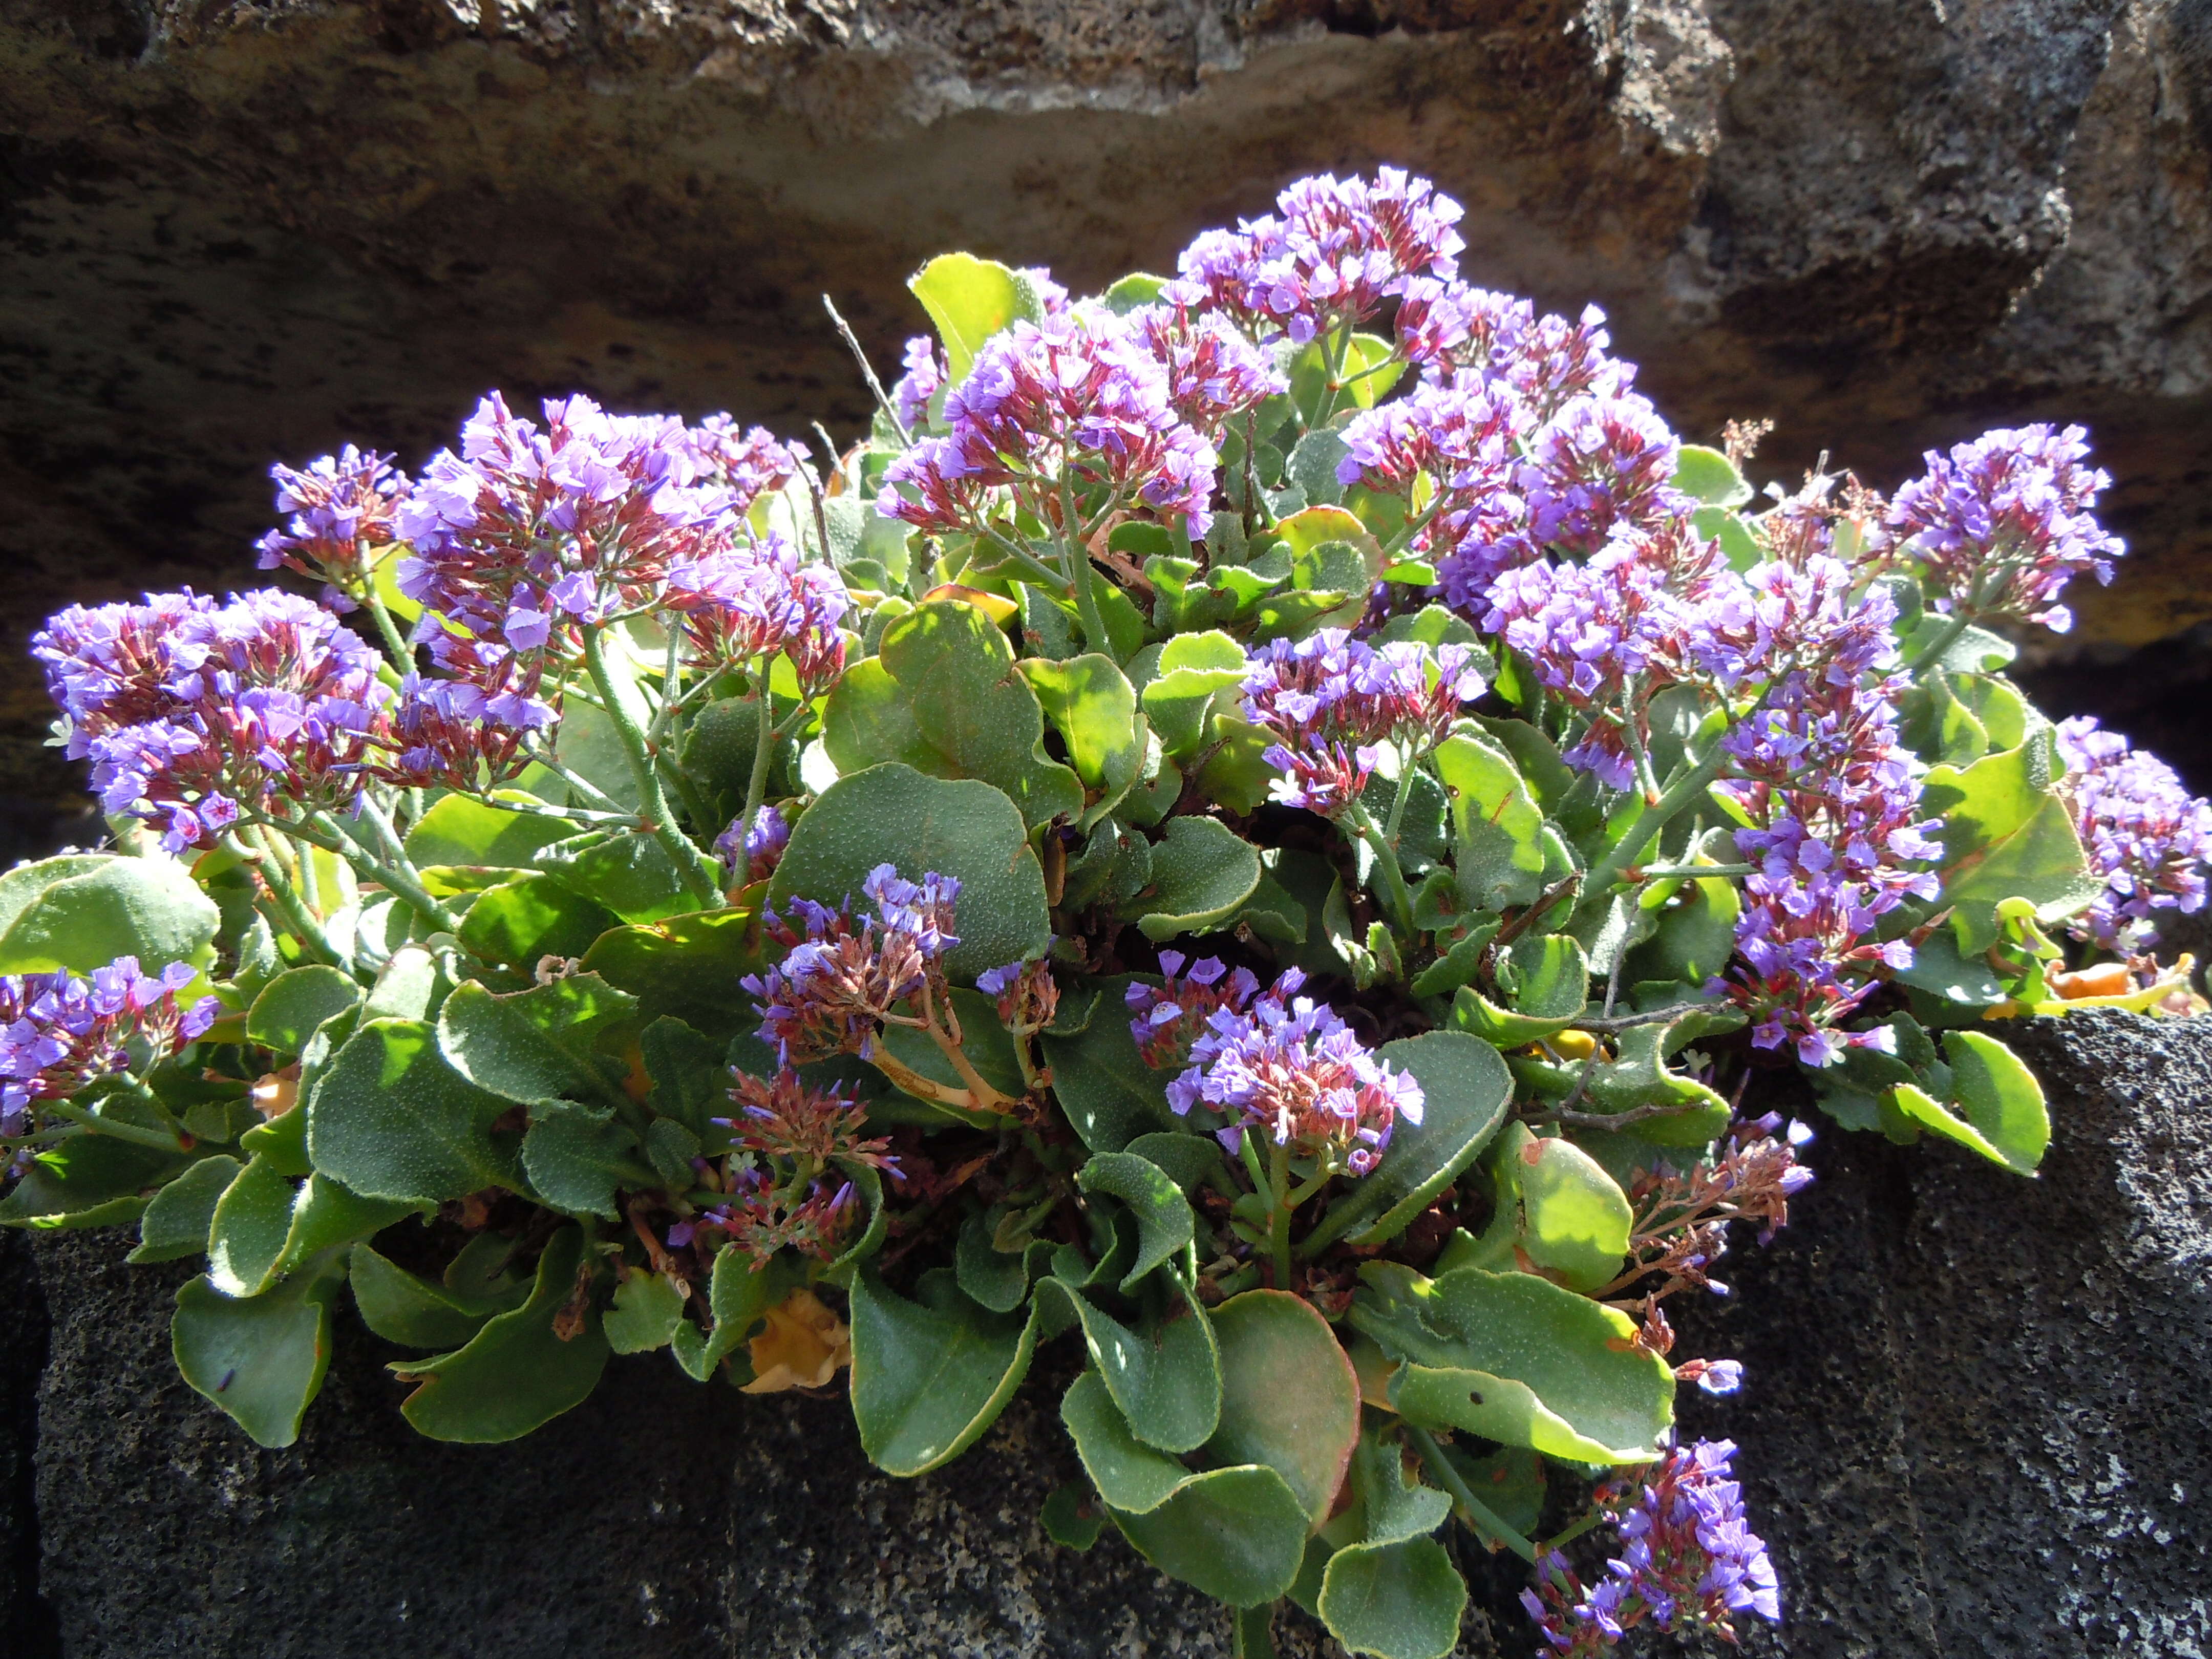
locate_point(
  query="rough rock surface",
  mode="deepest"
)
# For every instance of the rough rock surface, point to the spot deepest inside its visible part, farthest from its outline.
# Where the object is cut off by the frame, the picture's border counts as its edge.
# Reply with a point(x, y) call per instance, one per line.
point(250, 229)
point(1976, 1426)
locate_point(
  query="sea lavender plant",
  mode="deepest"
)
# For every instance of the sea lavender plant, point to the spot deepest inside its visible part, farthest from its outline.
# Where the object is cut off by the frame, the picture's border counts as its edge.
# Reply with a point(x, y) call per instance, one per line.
point(1270, 817)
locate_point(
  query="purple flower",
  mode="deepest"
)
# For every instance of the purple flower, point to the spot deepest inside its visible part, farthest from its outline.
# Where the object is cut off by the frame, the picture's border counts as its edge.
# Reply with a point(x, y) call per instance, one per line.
point(2144, 833)
point(59, 1032)
point(753, 600)
point(1077, 397)
point(339, 505)
point(1331, 702)
point(1214, 372)
point(1288, 1067)
point(924, 377)
point(751, 852)
point(2002, 523)
point(836, 985)
point(112, 666)
point(1170, 1018)
point(748, 465)
point(1601, 461)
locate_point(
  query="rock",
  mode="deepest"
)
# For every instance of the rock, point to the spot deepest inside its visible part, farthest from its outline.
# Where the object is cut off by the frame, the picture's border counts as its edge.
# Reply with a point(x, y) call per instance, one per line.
point(1975, 1424)
point(1974, 1421)
point(249, 230)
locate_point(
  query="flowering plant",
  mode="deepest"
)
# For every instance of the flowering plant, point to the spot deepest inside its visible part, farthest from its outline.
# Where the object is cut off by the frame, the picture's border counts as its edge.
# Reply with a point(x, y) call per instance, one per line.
point(1266, 819)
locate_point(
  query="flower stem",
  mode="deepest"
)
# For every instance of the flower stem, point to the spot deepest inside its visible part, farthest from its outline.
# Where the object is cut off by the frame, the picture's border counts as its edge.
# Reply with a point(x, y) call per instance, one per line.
point(100, 1126)
point(403, 654)
point(763, 746)
point(690, 864)
point(1689, 785)
point(1395, 899)
point(257, 847)
point(399, 879)
point(1077, 560)
point(1279, 1213)
point(1485, 1518)
point(1930, 656)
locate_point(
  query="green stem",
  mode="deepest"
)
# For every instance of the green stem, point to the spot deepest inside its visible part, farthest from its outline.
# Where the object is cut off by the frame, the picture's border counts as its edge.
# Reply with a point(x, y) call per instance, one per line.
point(763, 746)
point(583, 786)
point(1256, 1630)
point(1395, 899)
point(400, 880)
point(261, 851)
point(395, 643)
point(1689, 785)
point(1667, 872)
point(1595, 1518)
point(1030, 565)
point(1485, 1518)
point(691, 865)
point(1278, 1214)
point(1930, 657)
point(100, 1126)
point(1077, 560)
point(1406, 768)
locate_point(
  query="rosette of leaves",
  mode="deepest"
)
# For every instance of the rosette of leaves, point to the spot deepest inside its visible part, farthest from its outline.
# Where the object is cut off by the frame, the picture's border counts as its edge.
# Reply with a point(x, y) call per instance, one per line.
point(483, 1053)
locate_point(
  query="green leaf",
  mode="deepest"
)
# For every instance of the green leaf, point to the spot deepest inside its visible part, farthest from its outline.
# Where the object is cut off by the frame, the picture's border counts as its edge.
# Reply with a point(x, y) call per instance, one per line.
point(1092, 704)
point(1503, 857)
point(993, 1278)
point(260, 1358)
point(531, 1045)
point(1165, 1375)
point(1201, 871)
point(893, 814)
point(944, 696)
point(1238, 1535)
point(2005, 1118)
point(245, 1240)
point(25, 881)
point(1556, 1202)
point(1109, 1094)
point(690, 1082)
point(1192, 668)
point(1070, 1517)
point(2005, 836)
point(648, 1307)
point(1134, 292)
point(176, 1219)
point(522, 921)
point(285, 1015)
point(146, 908)
point(687, 968)
point(1391, 1506)
point(1696, 934)
point(414, 1312)
point(929, 1376)
point(970, 300)
point(1516, 1359)
point(1334, 562)
point(1289, 1397)
point(517, 1372)
point(1398, 1600)
point(461, 829)
point(1164, 1223)
point(88, 1181)
point(1130, 1475)
point(627, 872)
point(1466, 1090)
point(576, 1155)
point(1638, 1075)
point(408, 988)
point(739, 1294)
point(391, 1119)
point(1709, 477)
point(1548, 977)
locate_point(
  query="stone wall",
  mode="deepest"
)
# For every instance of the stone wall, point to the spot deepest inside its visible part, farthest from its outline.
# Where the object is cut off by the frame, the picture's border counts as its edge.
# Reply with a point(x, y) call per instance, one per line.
point(234, 230)
point(1975, 1424)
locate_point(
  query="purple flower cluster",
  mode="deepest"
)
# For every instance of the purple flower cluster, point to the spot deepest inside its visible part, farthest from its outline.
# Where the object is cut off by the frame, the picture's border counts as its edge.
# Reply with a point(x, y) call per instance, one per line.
point(1333, 252)
point(924, 377)
point(748, 465)
point(751, 852)
point(2144, 833)
point(455, 735)
point(1078, 399)
point(190, 714)
point(341, 506)
point(1214, 373)
point(1288, 1067)
point(1172, 1017)
point(785, 1189)
point(836, 986)
point(1332, 702)
point(749, 601)
point(59, 1032)
point(1690, 1562)
point(2002, 523)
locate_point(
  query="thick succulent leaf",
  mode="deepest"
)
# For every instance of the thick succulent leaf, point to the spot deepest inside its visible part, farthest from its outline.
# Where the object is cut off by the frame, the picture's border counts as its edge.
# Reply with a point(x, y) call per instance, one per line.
point(1165, 1375)
point(892, 814)
point(648, 1307)
point(1710, 477)
point(260, 1358)
point(458, 829)
point(687, 967)
point(149, 908)
point(1392, 1505)
point(530, 1045)
point(177, 1218)
point(690, 1080)
point(88, 1181)
point(401, 1307)
point(1556, 1203)
point(1396, 1600)
point(930, 1376)
point(1109, 1094)
point(1545, 979)
point(1504, 857)
point(1164, 1223)
point(577, 1155)
point(1201, 871)
point(944, 696)
point(392, 1119)
point(251, 1221)
point(1289, 1398)
point(2001, 1112)
point(627, 872)
point(2005, 836)
point(1466, 1089)
point(739, 1294)
point(1516, 1359)
point(1191, 668)
point(970, 300)
point(290, 1007)
point(1091, 702)
point(1638, 1075)
point(1238, 1534)
point(517, 1372)
point(1130, 1475)
point(531, 916)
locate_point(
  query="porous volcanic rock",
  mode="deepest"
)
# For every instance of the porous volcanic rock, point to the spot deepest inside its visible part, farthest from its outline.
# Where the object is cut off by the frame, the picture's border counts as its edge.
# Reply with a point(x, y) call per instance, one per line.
point(234, 230)
point(1975, 1424)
